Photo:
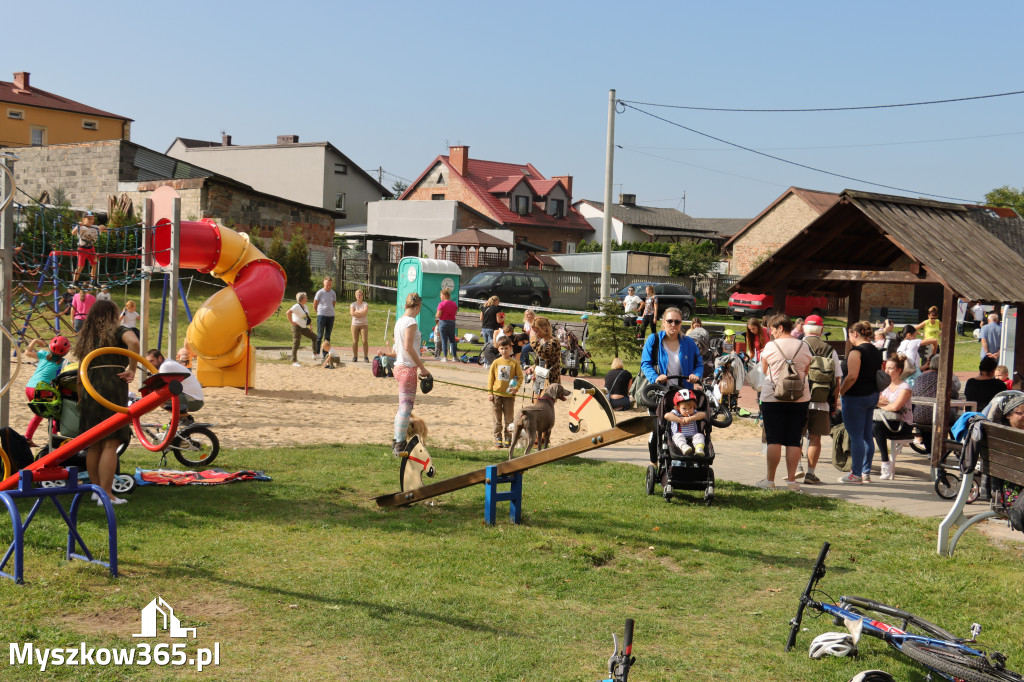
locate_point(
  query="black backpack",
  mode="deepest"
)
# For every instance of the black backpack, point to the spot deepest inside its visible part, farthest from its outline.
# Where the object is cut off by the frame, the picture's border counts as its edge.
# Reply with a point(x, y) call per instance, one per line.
point(17, 448)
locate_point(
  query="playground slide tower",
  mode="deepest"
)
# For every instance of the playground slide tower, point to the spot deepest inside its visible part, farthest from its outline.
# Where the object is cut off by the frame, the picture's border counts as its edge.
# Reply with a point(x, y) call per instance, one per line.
point(218, 334)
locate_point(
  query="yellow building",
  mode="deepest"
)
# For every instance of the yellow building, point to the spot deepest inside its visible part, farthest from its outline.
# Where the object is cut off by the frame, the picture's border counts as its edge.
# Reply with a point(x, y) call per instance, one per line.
point(33, 117)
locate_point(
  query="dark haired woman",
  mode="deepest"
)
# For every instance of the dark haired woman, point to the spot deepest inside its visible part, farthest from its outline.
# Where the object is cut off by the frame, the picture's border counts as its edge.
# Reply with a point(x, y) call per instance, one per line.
point(859, 392)
point(110, 376)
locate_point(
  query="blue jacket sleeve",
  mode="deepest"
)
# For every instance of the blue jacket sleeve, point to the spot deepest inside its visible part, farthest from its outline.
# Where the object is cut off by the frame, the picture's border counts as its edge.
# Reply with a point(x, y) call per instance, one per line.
point(646, 365)
point(696, 361)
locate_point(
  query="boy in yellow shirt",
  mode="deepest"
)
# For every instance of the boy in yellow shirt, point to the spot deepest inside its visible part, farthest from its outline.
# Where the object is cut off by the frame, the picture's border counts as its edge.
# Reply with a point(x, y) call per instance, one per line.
point(504, 378)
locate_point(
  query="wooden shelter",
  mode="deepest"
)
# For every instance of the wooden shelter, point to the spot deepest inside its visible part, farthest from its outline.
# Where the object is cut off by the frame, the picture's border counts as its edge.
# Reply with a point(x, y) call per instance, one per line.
point(974, 252)
point(469, 248)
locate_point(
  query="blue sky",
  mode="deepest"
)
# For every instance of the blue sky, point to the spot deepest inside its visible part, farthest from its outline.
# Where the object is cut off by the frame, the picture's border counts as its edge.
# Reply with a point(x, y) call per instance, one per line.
point(392, 84)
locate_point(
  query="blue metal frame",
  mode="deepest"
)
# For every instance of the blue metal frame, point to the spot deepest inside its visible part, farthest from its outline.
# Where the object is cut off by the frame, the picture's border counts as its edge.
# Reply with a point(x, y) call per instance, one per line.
point(492, 496)
point(70, 516)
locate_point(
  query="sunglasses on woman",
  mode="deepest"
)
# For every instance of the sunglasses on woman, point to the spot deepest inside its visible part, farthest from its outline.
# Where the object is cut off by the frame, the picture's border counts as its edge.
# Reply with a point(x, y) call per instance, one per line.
point(673, 321)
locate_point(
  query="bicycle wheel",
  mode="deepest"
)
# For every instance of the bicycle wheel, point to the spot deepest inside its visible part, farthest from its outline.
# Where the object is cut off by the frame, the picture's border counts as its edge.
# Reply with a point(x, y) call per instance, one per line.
point(953, 660)
point(195, 446)
point(894, 617)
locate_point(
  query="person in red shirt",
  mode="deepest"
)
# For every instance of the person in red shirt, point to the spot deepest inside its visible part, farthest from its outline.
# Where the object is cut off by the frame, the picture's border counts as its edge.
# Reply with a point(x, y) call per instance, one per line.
point(81, 304)
point(445, 316)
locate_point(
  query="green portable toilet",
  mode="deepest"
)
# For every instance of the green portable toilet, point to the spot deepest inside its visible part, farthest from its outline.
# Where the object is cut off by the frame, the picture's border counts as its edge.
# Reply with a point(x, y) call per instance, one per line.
point(426, 277)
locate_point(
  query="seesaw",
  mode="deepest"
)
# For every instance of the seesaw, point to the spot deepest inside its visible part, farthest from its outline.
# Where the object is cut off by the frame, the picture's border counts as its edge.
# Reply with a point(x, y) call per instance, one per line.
point(511, 471)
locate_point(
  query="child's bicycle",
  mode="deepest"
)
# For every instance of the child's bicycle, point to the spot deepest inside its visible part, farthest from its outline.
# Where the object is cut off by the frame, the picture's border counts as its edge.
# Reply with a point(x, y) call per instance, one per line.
point(928, 644)
point(195, 444)
point(621, 661)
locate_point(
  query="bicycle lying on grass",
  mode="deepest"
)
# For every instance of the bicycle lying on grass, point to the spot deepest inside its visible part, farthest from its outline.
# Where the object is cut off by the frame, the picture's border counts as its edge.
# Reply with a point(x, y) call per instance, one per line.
point(941, 652)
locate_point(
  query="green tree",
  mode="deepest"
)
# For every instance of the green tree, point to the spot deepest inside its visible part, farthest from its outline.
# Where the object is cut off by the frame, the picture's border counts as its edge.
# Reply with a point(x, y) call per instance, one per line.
point(397, 187)
point(689, 259)
point(1007, 196)
point(296, 264)
point(276, 251)
point(609, 335)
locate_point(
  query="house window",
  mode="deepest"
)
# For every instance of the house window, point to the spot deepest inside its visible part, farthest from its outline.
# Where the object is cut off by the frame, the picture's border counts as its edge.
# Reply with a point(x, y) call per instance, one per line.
point(38, 137)
point(522, 205)
point(437, 197)
point(340, 169)
point(556, 208)
point(16, 114)
point(339, 201)
point(556, 247)
point(90, 125)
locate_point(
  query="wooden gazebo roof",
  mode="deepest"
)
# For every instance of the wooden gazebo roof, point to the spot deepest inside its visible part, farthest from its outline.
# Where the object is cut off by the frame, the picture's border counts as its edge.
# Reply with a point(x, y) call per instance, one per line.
point(973, 251)
point(474, 237)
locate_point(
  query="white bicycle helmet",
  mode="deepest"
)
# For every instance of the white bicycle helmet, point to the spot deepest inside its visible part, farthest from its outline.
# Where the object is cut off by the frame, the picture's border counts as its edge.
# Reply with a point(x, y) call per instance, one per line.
point(873, 676)
point(837, 644)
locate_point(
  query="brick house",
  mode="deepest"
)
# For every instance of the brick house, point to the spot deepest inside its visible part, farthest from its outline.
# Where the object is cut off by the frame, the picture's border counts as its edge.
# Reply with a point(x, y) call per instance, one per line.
point(508, 196)
point(794, 210)
point(34, 117)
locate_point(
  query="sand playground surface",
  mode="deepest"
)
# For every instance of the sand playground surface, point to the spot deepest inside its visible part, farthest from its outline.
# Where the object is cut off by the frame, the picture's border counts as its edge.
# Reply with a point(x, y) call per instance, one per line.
point(308, 405)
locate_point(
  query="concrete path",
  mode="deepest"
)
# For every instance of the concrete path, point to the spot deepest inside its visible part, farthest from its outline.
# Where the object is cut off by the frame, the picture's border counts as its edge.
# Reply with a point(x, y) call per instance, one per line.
point(911, 492)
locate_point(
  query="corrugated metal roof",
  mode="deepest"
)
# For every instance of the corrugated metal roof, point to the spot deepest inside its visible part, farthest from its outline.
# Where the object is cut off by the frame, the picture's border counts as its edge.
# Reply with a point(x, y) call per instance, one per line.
point(974, 252)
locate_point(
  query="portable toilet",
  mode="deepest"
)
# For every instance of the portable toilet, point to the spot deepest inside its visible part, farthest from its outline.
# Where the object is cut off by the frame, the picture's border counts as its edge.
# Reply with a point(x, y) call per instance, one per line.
point(426, 277)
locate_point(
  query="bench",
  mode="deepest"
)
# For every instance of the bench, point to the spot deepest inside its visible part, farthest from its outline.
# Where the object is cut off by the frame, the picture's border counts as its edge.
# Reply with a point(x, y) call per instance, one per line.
point(467, 322)
point(898, 316)
point(1001, 457)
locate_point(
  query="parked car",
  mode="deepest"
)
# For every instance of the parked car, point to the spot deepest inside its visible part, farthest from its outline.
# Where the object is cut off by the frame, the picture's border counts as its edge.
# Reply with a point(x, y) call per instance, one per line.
point(511, 287)
point(668, 295)
point(757, 305)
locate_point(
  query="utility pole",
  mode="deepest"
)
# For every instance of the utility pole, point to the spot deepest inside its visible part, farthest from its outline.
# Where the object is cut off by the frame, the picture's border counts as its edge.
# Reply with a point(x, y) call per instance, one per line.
point(380, 175)
point(606, 247)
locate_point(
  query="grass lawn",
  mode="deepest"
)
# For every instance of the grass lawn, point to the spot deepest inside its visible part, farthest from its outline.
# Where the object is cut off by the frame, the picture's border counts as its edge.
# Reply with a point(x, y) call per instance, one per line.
point(306, 578)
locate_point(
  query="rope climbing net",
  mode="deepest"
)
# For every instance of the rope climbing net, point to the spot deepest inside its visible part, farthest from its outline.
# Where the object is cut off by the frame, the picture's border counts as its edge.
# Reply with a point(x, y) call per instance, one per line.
point(53, 252)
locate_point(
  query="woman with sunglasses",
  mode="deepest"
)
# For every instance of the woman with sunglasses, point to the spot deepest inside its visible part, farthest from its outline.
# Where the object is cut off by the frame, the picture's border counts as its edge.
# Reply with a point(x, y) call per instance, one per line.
point(670, 353)
point(932, 327)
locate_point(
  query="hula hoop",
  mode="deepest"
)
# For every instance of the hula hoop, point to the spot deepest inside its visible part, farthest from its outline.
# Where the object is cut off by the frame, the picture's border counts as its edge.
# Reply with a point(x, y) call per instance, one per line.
point(83, 374)
point(17, 358)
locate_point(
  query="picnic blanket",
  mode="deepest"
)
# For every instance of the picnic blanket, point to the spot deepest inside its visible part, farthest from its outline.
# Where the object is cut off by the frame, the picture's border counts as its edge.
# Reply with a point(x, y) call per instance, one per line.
point(208, 477)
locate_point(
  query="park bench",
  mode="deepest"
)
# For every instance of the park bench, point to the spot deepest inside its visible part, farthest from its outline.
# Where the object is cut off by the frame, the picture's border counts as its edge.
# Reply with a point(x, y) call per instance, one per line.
point(898, 316)
point(1001, 457)
point(467, 322)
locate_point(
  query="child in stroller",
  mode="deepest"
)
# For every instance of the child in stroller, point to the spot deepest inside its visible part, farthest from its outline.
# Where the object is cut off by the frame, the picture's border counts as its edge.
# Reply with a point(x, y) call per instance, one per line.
point(682, 465)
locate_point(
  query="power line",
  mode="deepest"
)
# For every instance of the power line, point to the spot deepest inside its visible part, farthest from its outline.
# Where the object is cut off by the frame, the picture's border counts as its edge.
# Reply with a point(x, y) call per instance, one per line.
point(693, 165)
point(791, 111)
point(799, 165)
point(838, 146)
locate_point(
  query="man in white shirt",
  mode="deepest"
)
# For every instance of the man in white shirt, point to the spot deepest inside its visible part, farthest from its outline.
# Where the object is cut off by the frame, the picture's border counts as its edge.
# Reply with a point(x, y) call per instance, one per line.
point(631, 304)
point(191, 398)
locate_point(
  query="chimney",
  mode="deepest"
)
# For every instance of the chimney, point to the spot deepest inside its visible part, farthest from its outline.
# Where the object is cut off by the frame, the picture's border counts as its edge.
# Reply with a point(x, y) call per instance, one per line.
point(627, 199)
point(459, 158)
point(287, 139)
point(567, 181)
point(225, 140)
point(21, 81)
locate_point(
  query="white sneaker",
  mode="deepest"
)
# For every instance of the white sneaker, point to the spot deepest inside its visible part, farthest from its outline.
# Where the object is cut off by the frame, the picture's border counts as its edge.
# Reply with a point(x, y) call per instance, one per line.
point(866, 478)
point(765, 484)
point(444, 359)
point(887, 471)
point(793, 486)
point(850, 478)
point(295, 364)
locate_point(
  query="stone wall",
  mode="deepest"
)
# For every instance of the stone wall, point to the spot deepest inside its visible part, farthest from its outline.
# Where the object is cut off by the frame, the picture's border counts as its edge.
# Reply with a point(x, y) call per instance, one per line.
point(87, 172)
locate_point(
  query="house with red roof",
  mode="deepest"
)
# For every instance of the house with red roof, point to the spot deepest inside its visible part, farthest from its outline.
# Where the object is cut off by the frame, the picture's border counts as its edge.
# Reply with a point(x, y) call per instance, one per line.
point(30, 117)
point(491, 195)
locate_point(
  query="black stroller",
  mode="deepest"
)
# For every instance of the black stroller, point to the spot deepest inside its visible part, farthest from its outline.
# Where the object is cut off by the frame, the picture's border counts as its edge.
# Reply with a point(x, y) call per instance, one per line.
point(674, 470)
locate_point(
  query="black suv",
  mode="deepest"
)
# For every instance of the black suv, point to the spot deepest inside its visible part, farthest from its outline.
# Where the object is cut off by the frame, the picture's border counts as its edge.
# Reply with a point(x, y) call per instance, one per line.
point(668, 295)
point(511, 287)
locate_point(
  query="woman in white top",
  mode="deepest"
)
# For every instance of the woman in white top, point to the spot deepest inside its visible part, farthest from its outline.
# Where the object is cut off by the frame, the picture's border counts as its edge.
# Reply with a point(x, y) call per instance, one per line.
point(910, 347)
point(407, 361)
point(360, 310)
point(298, 316)
point(896, 399)
point(783, 421)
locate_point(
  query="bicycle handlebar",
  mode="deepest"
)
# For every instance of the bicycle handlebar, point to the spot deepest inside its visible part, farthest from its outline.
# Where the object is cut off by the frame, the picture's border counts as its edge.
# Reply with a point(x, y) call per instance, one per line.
point(817, 573)
point(627, 644)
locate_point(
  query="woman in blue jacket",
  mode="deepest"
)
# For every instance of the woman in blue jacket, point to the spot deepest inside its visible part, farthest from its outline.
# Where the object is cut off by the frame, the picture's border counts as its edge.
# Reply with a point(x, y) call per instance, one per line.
point(676, 355)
